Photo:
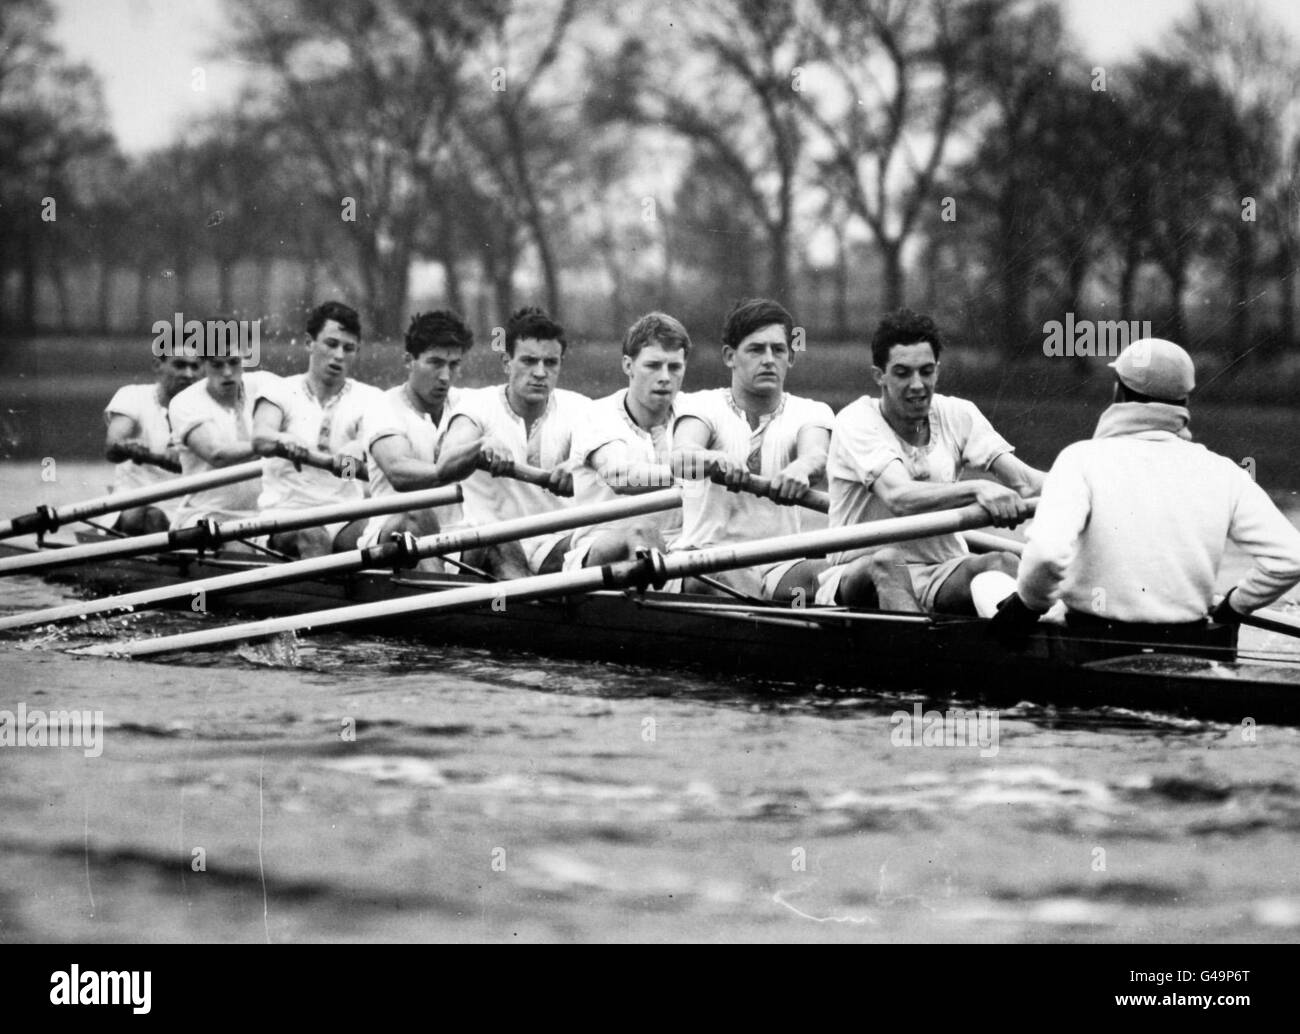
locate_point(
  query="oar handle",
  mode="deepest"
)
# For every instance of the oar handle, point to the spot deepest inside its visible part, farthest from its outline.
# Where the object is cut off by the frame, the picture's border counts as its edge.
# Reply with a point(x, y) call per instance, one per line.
point(755, 485)
point(1272, 621)
point(348, 467)
point(522, 472)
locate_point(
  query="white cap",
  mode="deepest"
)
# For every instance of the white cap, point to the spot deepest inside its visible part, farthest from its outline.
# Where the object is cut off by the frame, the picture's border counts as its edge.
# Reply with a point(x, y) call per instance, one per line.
point(1158, 368)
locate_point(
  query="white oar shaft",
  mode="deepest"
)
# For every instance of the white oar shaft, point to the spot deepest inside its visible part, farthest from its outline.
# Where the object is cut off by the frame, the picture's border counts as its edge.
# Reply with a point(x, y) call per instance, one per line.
point(815, 543)
point(298, 570)
point(53, 517)
point(229, 531)
point(562, 519)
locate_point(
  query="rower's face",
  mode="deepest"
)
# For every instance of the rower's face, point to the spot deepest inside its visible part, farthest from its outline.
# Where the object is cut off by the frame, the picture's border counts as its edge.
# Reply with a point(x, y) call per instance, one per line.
point(654, 376)
point(760, 361)
point(175, 373)
point(534, 370)
point(225, 374)
point(432, 373)
point(332, 353)
point(907, 383)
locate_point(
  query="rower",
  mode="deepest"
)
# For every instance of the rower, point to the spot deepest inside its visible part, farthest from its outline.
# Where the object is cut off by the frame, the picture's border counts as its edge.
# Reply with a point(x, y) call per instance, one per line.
point(1133, 523)
point(752, 427)
point(212, 425)
point(402, 429)
point(904, 453)
point(528, 420)
point(138, 439)
point(626, 445)
point(318, 410)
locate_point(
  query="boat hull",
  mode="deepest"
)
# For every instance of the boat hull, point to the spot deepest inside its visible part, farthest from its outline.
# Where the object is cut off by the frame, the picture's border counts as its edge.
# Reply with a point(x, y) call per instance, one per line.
point(940, 659)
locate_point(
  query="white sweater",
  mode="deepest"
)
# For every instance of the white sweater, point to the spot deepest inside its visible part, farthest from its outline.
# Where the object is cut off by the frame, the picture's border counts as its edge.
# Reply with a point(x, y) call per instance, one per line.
point(1133, 524)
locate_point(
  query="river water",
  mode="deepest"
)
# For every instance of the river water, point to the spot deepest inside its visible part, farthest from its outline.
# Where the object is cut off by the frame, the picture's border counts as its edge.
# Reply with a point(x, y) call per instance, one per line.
point(366, 789)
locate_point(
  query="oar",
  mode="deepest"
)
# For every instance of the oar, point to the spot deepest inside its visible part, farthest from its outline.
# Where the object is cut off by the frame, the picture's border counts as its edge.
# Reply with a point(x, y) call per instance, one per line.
point(48, 518)
point(755, 485)
point(348, 467)
point(209, 534)
point(654, 569)
point(983, 542)
point(1272, 621)
point(397, 553)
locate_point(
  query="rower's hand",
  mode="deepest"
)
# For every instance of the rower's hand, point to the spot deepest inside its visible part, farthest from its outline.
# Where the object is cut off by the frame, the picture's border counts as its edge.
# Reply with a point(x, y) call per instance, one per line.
point(723, 470)
point(1004, 505)
point(292, 450)
point(561, 481)
point(791, 484)
point(494, 455)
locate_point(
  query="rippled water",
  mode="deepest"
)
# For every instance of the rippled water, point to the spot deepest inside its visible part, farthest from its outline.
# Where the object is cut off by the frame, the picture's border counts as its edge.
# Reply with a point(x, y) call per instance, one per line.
point(345, 788)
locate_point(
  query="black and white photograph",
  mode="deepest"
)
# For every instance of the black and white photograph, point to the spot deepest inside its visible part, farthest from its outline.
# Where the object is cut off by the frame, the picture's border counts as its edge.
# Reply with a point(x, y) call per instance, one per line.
point(651, 472)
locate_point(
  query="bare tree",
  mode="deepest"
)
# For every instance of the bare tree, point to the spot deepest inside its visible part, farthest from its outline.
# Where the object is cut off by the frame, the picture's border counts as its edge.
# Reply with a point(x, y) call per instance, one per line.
point(893, 85)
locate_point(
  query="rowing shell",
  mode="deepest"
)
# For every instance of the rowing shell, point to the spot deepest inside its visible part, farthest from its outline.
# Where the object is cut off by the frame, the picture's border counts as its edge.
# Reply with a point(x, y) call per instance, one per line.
point(946, 658)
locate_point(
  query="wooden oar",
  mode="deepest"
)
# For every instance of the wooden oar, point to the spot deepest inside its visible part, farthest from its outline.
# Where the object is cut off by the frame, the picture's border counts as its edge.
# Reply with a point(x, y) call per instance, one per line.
point(210, 534)
point(652, 570)
point(983, 542)
point(1272, 621)
point(48, 518)
point(346, 467)
point(400, 553)
point(755, 485)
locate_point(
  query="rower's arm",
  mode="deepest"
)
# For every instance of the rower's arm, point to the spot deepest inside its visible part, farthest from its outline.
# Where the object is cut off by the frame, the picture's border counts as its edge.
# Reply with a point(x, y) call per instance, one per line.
point(268, 437)
point(905, 496)
point(204, 443)
point(1016, 474)
point(691, 456)
point(121, 443)
point(808, 466)
point(625, 476)
point(406, 472)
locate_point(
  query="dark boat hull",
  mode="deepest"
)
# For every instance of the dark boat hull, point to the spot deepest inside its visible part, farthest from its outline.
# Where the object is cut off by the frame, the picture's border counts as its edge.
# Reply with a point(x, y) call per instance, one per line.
point(945, 659)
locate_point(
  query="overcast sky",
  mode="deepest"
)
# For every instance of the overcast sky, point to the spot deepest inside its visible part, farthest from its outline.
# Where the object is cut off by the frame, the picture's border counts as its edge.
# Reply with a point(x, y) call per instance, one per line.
point(145, 51)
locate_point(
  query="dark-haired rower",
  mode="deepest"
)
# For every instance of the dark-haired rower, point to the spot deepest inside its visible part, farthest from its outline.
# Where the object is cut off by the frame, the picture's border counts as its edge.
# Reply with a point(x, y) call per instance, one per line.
point(752, 427)
point(904, 453)
point(403, 429)
point(527, 420)
point(319, 410)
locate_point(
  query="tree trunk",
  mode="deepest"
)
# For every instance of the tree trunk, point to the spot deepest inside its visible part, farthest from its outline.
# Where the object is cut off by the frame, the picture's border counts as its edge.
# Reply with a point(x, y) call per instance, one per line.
point(1286, 288)
point(310, 281)
point(841, 275)
point(265, 297)
point(27, 283)
point(892, 259)
point(103, 308)
point(1177, 274)
point(62, 298)
point(1243, 267)
point(225, 271)
point(142, 319)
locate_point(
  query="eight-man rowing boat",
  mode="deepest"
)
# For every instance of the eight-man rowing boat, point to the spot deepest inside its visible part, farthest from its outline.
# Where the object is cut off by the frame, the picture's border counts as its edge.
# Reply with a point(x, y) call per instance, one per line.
point(946, 658)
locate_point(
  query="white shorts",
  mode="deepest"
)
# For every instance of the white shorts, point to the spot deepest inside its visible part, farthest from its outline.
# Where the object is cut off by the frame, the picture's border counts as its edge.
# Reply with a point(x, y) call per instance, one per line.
point(759, 581)
point(537, 549)
point(927, 580)
point(332, 529)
